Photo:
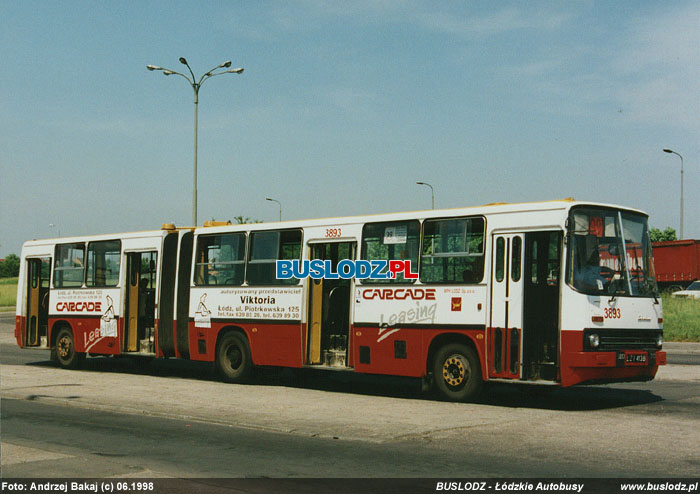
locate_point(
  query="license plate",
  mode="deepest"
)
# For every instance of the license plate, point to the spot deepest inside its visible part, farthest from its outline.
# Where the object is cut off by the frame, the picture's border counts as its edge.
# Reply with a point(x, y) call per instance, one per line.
point(636, 358)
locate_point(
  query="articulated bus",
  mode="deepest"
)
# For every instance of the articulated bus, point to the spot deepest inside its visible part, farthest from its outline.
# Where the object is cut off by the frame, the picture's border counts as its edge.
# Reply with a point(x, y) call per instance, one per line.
point(560, 293)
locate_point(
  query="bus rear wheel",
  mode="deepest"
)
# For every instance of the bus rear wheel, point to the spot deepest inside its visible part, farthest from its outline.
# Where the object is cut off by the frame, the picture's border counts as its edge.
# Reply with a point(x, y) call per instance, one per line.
point(233, 361)
point(456, 373)
point(66, 356)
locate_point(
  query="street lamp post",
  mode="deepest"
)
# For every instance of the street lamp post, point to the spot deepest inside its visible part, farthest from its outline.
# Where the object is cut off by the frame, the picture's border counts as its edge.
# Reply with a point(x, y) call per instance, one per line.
point(666, 150)
point(195, 87)
point(275, 200)
point(432, 193)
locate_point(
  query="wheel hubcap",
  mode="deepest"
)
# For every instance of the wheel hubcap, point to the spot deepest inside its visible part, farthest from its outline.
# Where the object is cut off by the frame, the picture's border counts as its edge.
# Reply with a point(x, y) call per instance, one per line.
point(63, 347)
point(455, 370)
point(234, 356)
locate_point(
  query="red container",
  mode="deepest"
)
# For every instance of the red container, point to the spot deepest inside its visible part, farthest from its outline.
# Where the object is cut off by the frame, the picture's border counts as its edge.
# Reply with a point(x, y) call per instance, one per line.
point(677, 263)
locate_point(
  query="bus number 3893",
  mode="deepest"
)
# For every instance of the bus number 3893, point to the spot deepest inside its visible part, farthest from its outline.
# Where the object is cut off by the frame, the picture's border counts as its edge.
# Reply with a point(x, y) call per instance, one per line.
point(611, 313)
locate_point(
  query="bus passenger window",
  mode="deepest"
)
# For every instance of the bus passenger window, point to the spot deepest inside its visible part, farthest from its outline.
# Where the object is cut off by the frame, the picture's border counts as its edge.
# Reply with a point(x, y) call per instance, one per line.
point(391, 241)
point(220, 259)
point(69, 267)
point(453, 251)
point(103, 263)
point(265, 249)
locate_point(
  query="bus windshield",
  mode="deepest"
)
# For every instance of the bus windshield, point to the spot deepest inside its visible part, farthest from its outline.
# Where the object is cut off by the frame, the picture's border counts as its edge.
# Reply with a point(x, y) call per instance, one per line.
point(598, 238)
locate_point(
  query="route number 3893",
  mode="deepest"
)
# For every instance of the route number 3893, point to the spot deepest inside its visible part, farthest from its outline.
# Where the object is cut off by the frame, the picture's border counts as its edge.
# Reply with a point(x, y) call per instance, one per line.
point(333, 233)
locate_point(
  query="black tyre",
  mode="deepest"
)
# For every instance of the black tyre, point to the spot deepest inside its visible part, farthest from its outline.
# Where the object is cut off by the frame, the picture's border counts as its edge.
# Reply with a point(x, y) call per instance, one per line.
point(537, 390)
point(233, 360)
point(66, 356)
point(457, 373)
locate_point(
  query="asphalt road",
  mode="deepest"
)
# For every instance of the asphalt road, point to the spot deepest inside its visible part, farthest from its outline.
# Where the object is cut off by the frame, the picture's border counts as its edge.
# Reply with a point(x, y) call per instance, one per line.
point(179, 448)
point(169, 418)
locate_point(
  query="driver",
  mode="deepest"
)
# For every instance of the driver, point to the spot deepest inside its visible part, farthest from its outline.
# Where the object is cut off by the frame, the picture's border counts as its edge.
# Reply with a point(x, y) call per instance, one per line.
point(590, 273)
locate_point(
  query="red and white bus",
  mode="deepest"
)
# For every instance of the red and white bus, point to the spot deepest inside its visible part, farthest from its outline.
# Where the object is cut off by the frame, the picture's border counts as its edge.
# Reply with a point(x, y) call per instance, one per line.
point(559, 292)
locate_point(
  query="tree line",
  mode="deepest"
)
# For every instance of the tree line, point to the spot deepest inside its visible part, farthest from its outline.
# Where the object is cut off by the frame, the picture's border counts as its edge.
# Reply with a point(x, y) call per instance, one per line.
point(657, 235)
point(9, 267)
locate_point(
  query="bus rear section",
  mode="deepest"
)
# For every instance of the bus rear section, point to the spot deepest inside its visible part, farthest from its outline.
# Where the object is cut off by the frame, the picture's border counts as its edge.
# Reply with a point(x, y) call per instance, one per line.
point(97, 295)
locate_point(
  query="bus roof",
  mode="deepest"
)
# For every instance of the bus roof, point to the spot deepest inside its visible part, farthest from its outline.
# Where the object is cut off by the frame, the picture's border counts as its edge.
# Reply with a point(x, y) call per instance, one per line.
point(96, 238)
point(486, 209)
point(214, 227)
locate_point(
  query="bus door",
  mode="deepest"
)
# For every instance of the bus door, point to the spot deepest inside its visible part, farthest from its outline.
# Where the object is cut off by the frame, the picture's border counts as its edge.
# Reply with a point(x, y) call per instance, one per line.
point(505, 332)
point(37, 326)
point(541, 273)
point(140, 302)
point(329, 308)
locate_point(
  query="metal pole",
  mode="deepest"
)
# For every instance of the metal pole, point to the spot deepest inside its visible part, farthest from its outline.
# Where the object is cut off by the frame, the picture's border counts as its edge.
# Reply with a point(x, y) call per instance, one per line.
point(194, 180)
point(432, 193)
point(682, 202)
point(195, 87)
point(275, 200)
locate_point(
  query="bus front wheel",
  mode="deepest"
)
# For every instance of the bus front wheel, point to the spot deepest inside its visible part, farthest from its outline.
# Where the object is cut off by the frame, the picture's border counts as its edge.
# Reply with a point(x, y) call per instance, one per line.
point(457, 373)
point(233, 361)
point(66, 356)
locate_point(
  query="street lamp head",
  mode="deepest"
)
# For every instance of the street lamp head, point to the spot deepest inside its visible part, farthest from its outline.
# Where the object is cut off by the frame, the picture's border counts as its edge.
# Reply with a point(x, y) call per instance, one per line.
point(279, 203)
point(183, 61)
point(153, 67)
point(668, 150)
point(235, 71)
point(168, 72)
point(226, 64)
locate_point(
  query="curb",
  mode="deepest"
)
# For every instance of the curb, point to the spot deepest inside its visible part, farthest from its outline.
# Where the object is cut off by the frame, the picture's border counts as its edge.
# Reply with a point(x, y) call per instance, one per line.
point(681, 347)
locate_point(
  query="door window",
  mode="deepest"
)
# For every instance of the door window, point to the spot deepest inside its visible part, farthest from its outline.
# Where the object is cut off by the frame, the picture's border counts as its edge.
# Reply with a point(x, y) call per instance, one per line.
point(516, 259)
point(500, 258)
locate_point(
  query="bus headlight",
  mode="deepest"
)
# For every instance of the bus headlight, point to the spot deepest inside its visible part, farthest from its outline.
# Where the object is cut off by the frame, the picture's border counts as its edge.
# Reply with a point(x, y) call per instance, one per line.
point(659, 341)
point(593, 340)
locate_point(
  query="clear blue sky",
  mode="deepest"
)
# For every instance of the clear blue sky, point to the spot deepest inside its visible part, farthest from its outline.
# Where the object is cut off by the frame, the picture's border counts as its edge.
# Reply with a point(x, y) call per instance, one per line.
point(342, 107)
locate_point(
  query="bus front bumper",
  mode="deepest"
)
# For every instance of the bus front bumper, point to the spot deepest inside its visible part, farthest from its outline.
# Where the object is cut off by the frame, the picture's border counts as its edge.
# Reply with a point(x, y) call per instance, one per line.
point(619, 358)
point(619, 365)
